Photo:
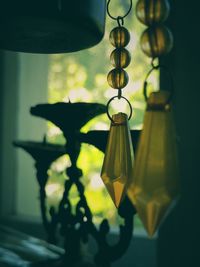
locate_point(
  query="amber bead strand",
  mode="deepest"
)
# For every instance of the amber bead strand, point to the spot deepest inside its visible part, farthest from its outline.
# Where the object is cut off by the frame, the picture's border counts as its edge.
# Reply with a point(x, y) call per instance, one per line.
point(156, 40)
point(120, 58)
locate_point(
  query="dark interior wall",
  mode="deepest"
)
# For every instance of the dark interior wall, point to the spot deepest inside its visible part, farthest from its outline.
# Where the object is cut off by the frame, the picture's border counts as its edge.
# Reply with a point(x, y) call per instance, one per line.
point(1, 111)
point(23, 80)
point(8, 125)
point(179, 237)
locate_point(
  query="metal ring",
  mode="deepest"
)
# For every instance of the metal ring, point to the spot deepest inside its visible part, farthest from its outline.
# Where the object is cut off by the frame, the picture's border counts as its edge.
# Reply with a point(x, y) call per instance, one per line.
point(119, 17)
point(107, 107)
point(157, 67)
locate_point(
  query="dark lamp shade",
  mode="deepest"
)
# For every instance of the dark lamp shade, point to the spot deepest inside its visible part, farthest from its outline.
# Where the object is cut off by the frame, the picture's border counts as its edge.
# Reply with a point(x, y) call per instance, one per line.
point(51, 26)
point(156, 172)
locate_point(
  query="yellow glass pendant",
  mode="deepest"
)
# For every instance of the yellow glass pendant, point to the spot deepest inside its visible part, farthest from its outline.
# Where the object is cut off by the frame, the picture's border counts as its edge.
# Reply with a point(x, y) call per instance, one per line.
point(117, 170)
point(156, 175)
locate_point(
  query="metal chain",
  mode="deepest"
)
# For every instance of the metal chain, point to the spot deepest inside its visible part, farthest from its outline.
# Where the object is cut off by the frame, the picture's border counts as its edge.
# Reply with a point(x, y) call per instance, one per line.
point(119, 18)
point(167, 72)
point(120, 22)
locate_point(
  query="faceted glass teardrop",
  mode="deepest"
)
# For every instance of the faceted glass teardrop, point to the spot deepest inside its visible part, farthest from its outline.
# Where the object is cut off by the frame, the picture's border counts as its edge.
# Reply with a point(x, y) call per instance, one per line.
point(117, 170)
point(156, 176)
point(152, 11)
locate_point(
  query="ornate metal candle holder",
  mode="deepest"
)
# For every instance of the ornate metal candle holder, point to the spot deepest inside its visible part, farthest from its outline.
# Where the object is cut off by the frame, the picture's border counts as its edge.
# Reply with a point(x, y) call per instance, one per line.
point(44, 154)
point(76, 228)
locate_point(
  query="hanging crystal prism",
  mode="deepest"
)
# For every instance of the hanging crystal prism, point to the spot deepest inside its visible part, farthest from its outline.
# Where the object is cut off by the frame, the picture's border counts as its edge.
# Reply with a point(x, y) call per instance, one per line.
point(156, 176)
point(117, 170)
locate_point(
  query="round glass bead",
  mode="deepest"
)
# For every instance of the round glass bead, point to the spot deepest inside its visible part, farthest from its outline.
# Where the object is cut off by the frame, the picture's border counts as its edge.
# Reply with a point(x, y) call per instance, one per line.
point(152, 11)
point(117, 78)
point(156, 41)
point(120, 58)
point(119, 37)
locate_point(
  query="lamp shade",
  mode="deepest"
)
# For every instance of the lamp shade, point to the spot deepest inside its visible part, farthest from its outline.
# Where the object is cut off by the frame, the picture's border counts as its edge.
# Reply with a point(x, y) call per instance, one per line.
point(117, 170)
point(156, 174)
point(51, 26)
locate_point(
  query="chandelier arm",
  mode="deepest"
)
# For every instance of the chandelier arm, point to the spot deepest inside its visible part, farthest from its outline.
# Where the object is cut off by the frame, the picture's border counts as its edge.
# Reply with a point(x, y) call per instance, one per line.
point(111, 253)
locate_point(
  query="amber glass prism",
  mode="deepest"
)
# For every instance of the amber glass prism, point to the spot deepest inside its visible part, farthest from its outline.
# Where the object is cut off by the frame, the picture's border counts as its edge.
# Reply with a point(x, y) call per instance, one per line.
point(156, 175)
point(117, 170)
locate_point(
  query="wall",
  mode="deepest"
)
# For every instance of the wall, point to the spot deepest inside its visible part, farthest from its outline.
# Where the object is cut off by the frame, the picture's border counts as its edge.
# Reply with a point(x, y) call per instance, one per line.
point(33, 82)
point(9, 105)
point(179, 238)
point(23, 84)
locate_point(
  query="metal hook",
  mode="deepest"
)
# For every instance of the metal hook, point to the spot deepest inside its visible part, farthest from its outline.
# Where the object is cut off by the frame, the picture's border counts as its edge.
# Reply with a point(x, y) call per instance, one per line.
point(154, 65)
point(120, 21)
point(119, 93)
point(157, 67)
